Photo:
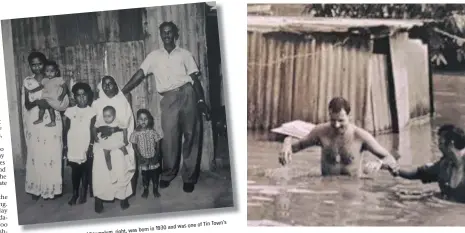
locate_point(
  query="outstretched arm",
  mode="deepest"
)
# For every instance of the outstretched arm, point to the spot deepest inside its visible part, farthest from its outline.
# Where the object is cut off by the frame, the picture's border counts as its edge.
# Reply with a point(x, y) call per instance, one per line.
point(427, 173)
point(285, 156)
point(136, 79)
point(312, 139)
point(370, 144)
point(409, 174)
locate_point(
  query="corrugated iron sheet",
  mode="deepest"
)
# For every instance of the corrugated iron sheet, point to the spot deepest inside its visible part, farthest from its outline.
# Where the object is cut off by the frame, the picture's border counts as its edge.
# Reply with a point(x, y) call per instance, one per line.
point(410, 68)
point(78, 29)
point(305, 24)
point(418, 72)
point(294, 78)
point(83, 43)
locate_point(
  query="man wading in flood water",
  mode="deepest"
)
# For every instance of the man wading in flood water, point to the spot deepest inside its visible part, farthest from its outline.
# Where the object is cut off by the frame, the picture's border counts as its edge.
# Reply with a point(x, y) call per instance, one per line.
point(342, 143)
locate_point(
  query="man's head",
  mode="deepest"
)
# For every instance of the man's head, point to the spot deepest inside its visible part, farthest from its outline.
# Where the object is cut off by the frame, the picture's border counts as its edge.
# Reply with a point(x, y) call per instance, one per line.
point(450, 134)
point(339, 110)
point(169, 33)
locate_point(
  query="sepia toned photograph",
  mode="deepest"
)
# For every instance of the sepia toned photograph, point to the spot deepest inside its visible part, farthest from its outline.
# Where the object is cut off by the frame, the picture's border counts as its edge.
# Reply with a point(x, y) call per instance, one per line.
point(355, 115)
point(117, 113)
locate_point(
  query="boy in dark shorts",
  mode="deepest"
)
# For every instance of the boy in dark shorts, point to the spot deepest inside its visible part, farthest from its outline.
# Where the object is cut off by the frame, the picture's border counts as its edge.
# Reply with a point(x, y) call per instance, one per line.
point(449, 170)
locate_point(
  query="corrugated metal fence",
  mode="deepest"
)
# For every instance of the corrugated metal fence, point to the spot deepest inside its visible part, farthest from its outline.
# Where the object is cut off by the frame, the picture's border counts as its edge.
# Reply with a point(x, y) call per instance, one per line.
point(293, 77)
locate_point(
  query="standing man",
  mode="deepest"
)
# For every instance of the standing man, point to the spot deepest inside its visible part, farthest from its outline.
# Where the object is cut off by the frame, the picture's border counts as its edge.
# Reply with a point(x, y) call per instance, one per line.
point(177, 80)
point(341, 144)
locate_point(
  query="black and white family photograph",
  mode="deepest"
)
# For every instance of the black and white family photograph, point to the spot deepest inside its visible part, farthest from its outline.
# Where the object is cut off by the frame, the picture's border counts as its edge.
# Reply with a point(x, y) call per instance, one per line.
point(117, 113)
point(355, 115)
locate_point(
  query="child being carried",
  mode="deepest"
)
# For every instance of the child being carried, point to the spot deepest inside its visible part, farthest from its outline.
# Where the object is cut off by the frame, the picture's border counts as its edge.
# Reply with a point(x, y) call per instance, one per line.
point(117, 141)
point(51, 92)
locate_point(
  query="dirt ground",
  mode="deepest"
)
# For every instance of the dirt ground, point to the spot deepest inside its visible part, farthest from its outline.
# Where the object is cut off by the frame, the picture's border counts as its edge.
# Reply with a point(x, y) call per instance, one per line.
point(213, 190)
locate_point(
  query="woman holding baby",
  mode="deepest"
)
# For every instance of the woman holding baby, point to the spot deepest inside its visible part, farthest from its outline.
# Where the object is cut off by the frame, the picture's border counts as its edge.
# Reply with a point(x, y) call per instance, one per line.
point(110, 122)
point(114, 162)
point(43, 136)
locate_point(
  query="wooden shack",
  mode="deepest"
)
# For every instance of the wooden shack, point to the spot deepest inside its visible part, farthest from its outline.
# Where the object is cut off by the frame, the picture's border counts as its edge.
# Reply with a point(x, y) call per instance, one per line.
point(90, 45)
point(297, 64)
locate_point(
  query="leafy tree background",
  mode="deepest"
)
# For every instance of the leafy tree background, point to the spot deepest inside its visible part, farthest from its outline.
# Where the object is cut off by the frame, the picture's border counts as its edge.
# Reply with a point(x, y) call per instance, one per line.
point(448, 17)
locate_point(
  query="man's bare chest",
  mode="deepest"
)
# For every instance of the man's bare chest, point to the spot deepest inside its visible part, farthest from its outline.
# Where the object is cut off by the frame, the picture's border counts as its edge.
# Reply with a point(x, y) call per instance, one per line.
point(340, 150)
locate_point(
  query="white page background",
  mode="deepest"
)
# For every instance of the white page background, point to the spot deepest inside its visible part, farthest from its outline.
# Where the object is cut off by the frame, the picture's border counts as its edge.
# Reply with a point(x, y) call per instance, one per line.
point(233, 23)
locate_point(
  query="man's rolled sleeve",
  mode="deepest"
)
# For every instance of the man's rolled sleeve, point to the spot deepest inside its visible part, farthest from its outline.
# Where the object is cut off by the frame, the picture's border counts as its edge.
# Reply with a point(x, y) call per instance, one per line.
point(189, 62)
point(146, 65)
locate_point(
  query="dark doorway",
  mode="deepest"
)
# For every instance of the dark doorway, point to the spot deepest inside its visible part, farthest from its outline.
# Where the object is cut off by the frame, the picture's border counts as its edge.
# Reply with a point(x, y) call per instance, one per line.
point(214, 57)
point(218, 110)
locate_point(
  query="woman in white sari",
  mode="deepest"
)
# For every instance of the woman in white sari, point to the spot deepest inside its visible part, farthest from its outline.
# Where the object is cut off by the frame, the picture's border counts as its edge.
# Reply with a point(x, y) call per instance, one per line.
point(123, 167)
point(44, 144)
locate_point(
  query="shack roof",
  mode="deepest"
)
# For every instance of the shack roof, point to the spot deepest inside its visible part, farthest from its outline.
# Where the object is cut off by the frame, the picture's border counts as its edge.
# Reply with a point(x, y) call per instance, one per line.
point(307, 24)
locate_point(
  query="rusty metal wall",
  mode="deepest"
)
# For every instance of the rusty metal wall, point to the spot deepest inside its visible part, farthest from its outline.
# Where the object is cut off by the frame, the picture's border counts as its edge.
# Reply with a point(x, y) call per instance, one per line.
point(90, 45)
point(290, 77)
point(378, 112)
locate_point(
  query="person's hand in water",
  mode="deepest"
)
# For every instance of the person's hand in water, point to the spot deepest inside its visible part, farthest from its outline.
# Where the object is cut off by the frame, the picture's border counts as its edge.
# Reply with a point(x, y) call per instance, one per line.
point(375, 166)
point(372, 167)
point(285, 156)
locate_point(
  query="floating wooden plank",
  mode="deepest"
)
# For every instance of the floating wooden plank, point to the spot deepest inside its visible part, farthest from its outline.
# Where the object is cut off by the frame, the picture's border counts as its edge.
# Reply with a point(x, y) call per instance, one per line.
point(297, 129)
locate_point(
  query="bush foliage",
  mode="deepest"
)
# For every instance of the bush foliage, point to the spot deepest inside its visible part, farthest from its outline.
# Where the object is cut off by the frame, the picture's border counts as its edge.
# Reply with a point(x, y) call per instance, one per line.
point(448, 17)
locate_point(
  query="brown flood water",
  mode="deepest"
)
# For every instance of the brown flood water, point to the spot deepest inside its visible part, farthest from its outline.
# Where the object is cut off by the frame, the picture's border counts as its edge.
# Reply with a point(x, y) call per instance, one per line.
point(298, 195)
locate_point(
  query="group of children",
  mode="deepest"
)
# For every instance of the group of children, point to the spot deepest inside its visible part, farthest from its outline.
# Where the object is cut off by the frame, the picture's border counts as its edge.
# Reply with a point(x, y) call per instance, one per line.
point(53, 94)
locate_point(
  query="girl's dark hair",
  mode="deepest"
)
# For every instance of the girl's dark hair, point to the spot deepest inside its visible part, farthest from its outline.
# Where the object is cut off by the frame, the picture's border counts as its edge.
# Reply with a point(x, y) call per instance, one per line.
point(149, 115)
point(38, 55)
point(453, 133)
point(172, 25)
point(86, 87)
point(55, 66)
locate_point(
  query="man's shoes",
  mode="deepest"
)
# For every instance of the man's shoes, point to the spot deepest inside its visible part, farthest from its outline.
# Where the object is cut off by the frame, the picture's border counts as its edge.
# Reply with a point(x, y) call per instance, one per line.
point(188, 187)
point(164, 184)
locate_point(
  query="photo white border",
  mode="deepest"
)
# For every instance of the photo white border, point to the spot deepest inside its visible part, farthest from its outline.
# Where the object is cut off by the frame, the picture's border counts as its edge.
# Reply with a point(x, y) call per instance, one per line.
point(235, 217)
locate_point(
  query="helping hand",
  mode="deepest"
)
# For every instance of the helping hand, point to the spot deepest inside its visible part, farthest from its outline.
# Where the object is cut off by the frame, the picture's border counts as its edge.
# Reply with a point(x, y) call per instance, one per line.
point(285, 156)
point(372, 167)
point(393, 168)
